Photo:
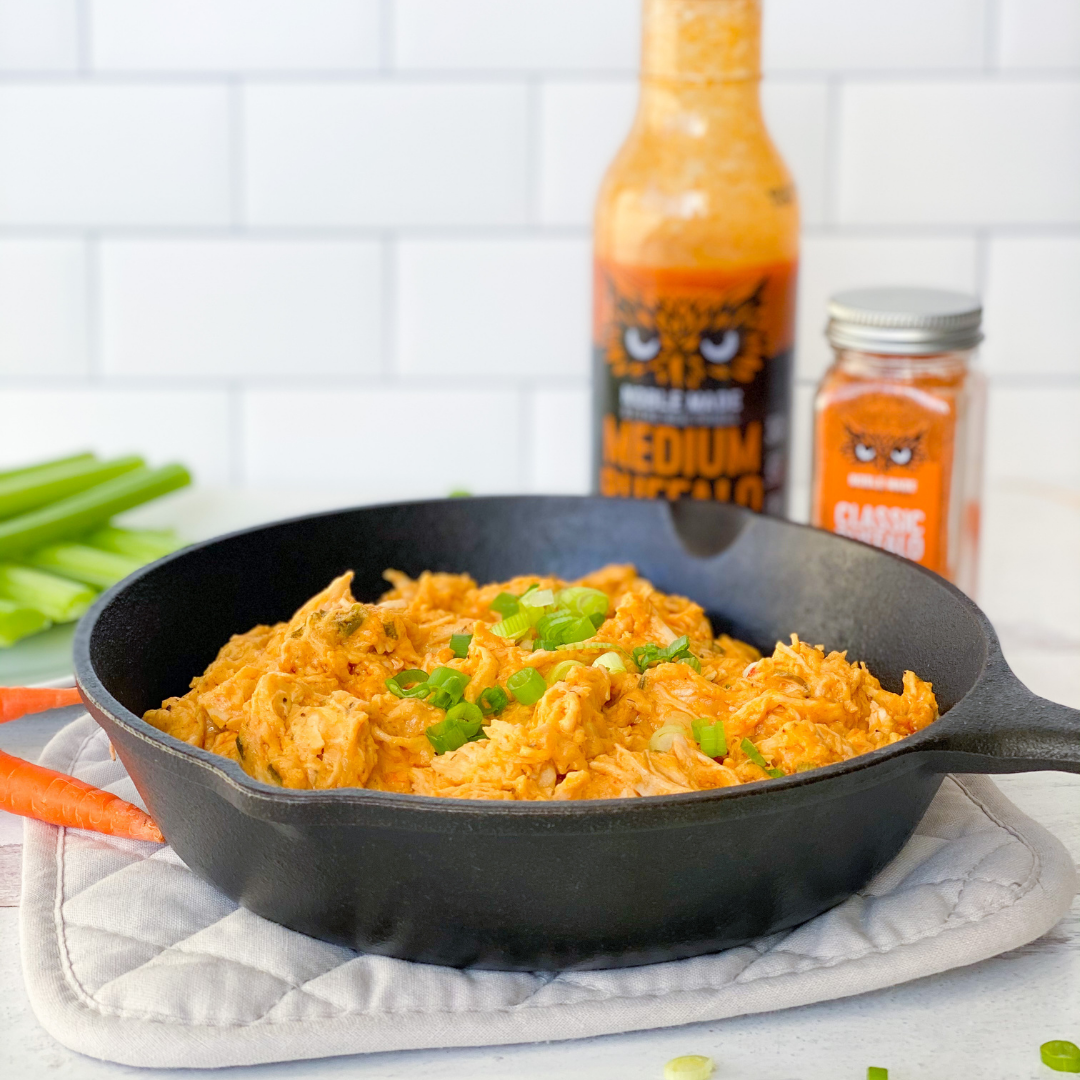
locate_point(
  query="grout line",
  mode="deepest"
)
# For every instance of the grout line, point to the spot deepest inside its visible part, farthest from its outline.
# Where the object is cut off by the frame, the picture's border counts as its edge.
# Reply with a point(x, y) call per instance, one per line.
point(834, 91)
point(991, 35)
point(387, 34)
point(389, 306)
point(237, 464)
point(93, 341)
point(84, 42)
point(237, 171)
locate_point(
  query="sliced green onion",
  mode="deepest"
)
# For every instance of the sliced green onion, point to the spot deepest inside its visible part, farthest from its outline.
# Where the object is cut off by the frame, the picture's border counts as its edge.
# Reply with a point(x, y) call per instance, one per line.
point(492, 700)
point(579, 630)
point(146, 545)
point(40, 487)
point(597, 620)
point(590, 645)
point(645, 656)
point(689, 1067)
point(78, 514)
point(753, 753)
point(875, 1072)
point(55, 597)
point(461, 724)
point(583, 601)
point(409, 684)
point(18, 621)
point(506, 604)
point(776, 773)
point(1061, 1056)
point(527, 685)
point(550, 627)
point(448, 681)
point(537, 598)
point(80, 562)
point(663, 737)
point(465, 712)
point(690, 661)
point(711, 737)
point(459, 645)
point(561, 670)
point(612, 661)
point(513, 627)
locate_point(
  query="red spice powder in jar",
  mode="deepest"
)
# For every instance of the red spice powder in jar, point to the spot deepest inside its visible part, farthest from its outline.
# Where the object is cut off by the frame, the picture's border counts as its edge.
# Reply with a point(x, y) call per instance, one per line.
point(899, 423)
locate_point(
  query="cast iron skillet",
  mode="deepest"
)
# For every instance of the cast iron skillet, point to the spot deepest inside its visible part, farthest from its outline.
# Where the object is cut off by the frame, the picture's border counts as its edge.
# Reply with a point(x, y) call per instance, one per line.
point(602, 883)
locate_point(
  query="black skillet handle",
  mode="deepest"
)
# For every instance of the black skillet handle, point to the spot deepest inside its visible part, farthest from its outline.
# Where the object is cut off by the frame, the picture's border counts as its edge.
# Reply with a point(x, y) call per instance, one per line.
point(1002, 727)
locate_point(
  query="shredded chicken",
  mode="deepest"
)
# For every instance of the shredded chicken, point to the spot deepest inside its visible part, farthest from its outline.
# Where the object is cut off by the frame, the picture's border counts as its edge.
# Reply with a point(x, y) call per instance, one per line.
point(305, 703)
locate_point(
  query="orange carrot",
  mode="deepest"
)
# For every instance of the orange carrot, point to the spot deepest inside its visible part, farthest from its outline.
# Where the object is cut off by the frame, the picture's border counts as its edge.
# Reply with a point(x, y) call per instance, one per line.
point(33, 791)
point(16, 701)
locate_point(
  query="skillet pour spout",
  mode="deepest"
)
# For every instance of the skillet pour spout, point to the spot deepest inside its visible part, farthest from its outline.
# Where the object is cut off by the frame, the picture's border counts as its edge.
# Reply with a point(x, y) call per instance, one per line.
point(547, 886)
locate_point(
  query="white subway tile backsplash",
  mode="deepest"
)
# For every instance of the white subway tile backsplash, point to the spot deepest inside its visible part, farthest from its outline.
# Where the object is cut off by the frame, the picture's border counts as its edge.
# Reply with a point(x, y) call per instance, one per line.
point(162, 425)
point(554, 35)
point(234, 35)
point(383, 443)
point(561, 441)
point(1032, 433)
point(960, 152)
point(238, 308)
point(42, 308)
point(500, 308)
point(386, 154)
point(1032, 306)
point(39, 35)
point(881, 34)
point(797, 115)
point(581, 127)
point(77, 153)
point(830, 263)
point(1038, 33)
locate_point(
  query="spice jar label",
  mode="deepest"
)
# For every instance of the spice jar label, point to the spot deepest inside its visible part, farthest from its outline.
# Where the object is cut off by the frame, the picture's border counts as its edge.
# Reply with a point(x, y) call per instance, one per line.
point(693, 374)
point(884, 455)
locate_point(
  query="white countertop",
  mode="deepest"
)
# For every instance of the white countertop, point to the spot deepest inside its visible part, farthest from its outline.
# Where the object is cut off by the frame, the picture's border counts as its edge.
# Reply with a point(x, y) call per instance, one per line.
point(984, 1021)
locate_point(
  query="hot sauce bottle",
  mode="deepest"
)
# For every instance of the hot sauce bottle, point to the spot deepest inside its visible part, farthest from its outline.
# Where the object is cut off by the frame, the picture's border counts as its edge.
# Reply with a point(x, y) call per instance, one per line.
point(899, 427)
point(696, 247)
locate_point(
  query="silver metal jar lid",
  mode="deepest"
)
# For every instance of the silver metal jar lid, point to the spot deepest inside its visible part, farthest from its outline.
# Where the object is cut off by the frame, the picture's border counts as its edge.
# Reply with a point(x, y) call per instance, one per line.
point(904, 321)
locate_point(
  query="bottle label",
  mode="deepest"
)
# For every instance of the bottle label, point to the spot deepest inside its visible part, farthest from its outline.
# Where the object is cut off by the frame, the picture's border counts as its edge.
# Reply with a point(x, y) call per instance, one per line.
point(692, 383)
point(882, 459)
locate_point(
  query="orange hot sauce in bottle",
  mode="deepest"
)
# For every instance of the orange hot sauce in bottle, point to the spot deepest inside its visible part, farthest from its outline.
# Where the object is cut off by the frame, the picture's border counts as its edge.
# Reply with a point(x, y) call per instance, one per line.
point(696, 249)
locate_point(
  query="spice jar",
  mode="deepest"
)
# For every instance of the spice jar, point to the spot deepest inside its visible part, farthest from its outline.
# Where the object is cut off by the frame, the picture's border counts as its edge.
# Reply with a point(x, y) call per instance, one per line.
point(899, 426)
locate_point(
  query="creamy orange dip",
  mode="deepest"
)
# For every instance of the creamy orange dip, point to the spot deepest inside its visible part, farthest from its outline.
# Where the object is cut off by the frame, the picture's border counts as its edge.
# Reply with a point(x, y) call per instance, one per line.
point(315, 702)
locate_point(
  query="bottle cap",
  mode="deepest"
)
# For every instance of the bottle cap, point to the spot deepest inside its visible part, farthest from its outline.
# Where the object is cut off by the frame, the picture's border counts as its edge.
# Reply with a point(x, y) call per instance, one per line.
point(904, 321)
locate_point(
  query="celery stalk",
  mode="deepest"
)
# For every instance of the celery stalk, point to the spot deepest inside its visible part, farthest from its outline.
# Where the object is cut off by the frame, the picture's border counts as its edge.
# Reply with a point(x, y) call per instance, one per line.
point(79, 514)
point(55, 597)
point(17, 622)
point(39, 487)
point(80, 562)
point(146, 545)
point(25, 470)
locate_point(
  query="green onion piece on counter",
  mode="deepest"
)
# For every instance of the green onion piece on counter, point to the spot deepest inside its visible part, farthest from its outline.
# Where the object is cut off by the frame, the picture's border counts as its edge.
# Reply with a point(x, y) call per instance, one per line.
point(459, 645)
point(460, 493)
point(18, 494)
point(513, 627)
point(146, 545)
point(506, 604)
point(612, 661)
point(78, 514)
point(18, 621)
point(561, 670)
point(754, 754)
point(527, 685)
point(1061, 1056)
point(492, 700)
point(449, 685)
point(584, 602)
point(80, 562)
point(875, 1072)
point(412, 683)
point(689, 1067)
point(41, 466)
point(56, 598)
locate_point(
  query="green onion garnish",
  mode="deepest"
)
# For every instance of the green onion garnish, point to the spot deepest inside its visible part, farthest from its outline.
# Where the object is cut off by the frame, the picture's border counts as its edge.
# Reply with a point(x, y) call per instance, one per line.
point(551, 626)
point(776, 773)
point(527, 685)
point(645, 656)
point(561, 670)
point(579, 630)
point(412, 683)
point(711, 737)
point(612, 661)
point(459, 645)
point(754, 754)
point(492, 700)
point(536, 597)
point(513, 627)
point(582, 601)
point(461, 724)
point(506, 604)
point(449, 685)
point(1061, 1056)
